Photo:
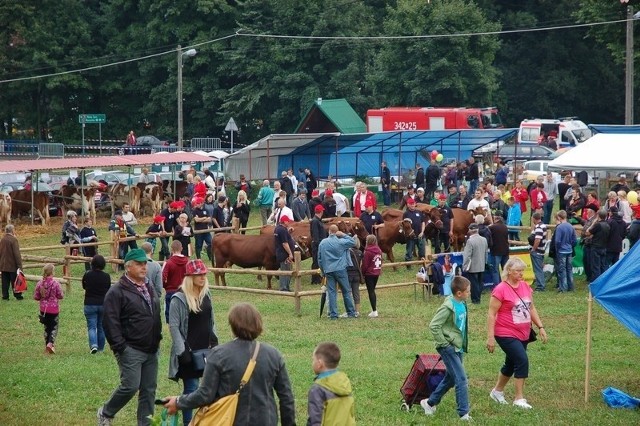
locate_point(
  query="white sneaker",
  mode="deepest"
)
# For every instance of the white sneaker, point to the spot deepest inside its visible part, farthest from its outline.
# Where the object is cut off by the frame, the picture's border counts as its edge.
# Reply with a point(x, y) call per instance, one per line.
point(522, 403)
point(345, 315)
point(498, 397)
point(428, 410)
point(466, 418)
point(373, 314)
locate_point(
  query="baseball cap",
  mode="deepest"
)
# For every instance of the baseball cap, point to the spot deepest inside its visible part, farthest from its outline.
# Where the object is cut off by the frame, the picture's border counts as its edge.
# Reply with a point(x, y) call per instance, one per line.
point(319, 208)
point(196, 267)
point(285, 219)
point(368, 203)
point(473, 227)
point(411, 201)
point(137, 255)
point(174, 205)
point(328, 192)
point(442, 197)
point(158, 219)
point(421, 189)
point(197, 200)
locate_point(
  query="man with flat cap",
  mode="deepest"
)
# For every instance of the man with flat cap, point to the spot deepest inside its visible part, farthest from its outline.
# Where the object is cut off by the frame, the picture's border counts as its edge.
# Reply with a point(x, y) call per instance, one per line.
point(474, 260)
point(133, 329)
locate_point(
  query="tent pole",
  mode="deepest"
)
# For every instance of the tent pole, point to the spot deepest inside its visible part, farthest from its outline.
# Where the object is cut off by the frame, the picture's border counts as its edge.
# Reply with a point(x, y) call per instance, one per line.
point(587, 375)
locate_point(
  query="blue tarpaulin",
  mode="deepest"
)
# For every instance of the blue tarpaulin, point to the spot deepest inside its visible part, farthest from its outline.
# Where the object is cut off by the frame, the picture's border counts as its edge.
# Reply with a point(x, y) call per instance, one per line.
point(614, 128)
point(618, 290)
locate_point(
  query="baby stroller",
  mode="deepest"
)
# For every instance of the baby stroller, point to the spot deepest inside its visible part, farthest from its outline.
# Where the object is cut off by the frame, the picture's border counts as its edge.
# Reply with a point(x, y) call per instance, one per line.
point(427, 372)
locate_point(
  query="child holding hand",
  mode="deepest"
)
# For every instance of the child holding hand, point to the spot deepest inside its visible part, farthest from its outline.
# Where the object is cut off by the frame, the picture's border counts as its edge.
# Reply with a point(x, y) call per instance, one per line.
point(48, 291)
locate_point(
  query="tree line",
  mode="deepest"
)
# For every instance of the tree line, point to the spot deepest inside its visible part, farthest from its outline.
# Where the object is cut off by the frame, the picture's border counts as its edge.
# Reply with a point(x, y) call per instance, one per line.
point(416, 53)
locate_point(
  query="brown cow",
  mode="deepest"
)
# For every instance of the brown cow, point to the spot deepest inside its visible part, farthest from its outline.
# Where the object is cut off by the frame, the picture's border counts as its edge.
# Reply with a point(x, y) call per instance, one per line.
point(154, 193)
point(461, 221)
point(249, 251)
point(396, 231)
point(297, 229)
point(181, 189)
point(121, 193)
point(70, 199)
point(5, 208)
point(21, 203)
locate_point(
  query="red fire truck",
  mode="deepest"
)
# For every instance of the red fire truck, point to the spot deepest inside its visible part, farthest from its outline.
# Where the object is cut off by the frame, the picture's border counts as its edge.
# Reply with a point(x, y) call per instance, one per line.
point(432, 118)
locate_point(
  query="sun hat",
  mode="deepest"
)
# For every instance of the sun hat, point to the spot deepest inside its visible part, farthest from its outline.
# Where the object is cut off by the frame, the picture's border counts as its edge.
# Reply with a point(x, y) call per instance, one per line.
point(196, 267)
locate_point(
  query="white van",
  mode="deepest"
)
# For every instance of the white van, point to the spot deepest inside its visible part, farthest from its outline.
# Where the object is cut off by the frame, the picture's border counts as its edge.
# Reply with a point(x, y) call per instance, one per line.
point(567, 131)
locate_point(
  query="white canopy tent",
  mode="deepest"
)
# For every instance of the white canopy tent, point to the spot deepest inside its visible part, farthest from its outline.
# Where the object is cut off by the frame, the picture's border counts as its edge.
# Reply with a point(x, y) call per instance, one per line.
point(604, 151)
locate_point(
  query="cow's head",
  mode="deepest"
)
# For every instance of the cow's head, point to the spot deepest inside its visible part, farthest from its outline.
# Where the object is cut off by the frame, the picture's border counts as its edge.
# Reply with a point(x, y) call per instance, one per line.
point(304, 243)
point(406, 228)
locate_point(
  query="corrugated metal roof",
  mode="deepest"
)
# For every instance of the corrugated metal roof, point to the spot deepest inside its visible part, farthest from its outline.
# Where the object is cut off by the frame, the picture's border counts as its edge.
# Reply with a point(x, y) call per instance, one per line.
point(339, 113)
point(106, 161)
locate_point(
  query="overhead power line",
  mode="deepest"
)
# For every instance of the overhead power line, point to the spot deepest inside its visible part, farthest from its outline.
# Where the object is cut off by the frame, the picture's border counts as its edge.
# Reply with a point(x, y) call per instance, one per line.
point(301, 37)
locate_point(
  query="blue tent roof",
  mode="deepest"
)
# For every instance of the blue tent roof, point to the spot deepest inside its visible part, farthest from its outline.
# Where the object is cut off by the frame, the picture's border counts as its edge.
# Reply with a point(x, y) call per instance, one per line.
point(618, 290)
point(361, 154)
point(614, 128)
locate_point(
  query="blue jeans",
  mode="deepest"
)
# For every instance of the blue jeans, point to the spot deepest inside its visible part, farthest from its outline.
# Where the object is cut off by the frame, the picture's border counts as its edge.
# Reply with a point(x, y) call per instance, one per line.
point(547, 209)
point(189, 386)
point(342, 279)
point(476, 279)
point(285, 280)
point(94, 313)
point(514, 235)
point(473, 185)
point(200, 239)
point(164, 250)
point(386, 195)
point(537, 261)
point(455, 376)
point(598, 261)
point(411, 243)
point(167, 303)
point(497, 263)
point(565, 271)
point(138, 374)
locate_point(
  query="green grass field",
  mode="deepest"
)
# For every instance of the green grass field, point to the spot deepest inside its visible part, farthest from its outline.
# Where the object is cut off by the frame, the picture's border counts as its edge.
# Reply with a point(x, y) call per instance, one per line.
point(67, 388)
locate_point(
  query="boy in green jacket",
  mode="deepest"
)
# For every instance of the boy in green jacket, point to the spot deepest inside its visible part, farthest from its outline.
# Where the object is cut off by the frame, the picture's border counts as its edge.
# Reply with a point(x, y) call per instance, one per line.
point(450, 332)
point(330, 398)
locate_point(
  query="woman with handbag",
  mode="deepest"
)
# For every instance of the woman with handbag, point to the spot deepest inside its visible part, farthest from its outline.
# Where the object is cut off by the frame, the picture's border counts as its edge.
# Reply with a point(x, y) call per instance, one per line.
point(510, 320)
point(192, 327)
point(228, 368)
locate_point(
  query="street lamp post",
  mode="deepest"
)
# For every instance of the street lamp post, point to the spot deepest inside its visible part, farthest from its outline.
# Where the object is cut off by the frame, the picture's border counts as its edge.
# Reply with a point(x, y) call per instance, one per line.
point(190, 52)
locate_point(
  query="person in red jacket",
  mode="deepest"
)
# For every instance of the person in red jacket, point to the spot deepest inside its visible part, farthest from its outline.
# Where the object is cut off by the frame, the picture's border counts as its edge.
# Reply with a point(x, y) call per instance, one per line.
point(173, 273)
point(361, 196)
point(538, 198)
point(519, 193)
point(371, 269)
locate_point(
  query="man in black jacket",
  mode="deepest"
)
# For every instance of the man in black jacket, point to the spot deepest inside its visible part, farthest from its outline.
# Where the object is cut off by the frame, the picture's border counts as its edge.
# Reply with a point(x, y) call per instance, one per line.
point(431, 179)
point(287, 186)
point(419, 176)
point(385, 180)
point(318, 233)
point(133, 329)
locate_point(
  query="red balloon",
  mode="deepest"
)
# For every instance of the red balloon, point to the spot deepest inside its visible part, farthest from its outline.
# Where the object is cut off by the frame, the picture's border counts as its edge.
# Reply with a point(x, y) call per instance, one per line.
point(434, 153)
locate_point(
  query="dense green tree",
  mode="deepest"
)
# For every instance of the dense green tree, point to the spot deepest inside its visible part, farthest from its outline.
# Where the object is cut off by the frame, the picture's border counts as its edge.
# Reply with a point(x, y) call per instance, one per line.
point(439, 70)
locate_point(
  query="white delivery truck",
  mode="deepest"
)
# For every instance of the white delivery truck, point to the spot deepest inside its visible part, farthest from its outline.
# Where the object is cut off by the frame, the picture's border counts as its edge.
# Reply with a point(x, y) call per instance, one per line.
point(567, 131)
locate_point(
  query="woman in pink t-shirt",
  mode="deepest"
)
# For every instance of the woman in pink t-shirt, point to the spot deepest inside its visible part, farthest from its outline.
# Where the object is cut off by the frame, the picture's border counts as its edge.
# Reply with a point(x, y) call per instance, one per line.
point(511, 314)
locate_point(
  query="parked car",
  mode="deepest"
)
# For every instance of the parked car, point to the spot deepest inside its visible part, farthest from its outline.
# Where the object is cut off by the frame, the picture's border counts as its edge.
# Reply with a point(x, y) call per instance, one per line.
point(147, 145)
point(523, 152)
point(111, 177)
point(535, 168)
